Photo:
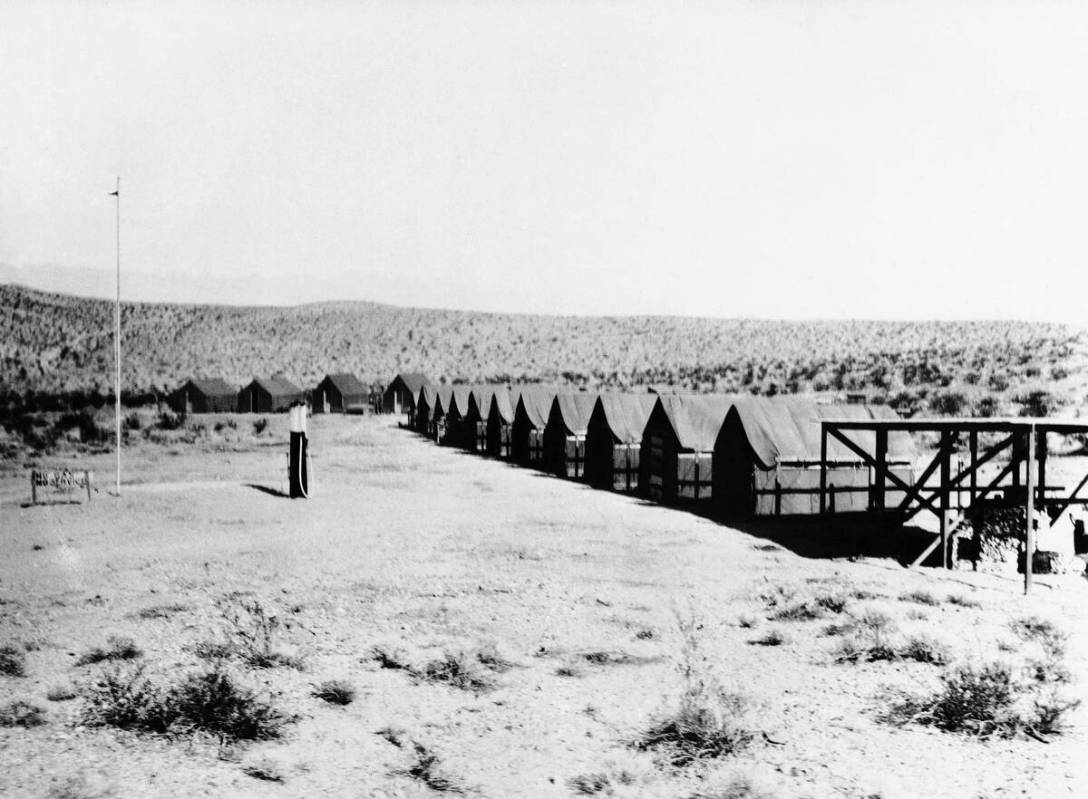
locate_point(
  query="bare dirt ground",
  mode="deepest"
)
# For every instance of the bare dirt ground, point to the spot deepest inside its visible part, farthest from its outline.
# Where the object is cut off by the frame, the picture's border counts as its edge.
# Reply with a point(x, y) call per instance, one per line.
point(407, 546)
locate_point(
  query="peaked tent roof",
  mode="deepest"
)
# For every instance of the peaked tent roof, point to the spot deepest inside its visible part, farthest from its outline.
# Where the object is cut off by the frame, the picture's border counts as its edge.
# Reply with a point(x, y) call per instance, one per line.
point(503, 402)
point(459, 396)
point(442, 397)
point(696, 418)
point(480, 398)
point(277, 385)
point(346, 383)
point(574, 409)
point(788, 429)
point(426, 394)
point(626, 414)
point(413, 381)
point(537, 402)
point(211, 386)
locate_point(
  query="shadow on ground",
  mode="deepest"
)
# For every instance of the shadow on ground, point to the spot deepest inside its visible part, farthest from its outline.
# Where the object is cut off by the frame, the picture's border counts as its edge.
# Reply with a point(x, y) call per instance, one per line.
point(274, 492)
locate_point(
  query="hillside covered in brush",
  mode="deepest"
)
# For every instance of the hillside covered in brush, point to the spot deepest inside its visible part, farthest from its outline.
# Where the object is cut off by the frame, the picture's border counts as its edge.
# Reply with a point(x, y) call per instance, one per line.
point(59, 343)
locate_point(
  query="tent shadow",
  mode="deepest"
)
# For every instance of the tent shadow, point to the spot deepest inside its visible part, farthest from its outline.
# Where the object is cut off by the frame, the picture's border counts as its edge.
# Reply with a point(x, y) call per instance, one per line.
point(823, 537)
point(274, 492)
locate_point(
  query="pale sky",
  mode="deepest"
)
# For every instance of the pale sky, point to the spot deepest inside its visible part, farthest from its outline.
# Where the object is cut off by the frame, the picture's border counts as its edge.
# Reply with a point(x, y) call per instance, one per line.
point(773, 159)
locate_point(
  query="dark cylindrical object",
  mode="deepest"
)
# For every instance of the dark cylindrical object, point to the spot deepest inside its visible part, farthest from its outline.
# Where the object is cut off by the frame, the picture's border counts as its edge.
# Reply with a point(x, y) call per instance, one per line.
point(298, 479)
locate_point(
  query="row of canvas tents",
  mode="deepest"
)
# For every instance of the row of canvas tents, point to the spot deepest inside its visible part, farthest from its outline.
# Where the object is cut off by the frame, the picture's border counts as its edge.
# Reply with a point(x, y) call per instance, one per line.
point(744, 456)
point(336, 393)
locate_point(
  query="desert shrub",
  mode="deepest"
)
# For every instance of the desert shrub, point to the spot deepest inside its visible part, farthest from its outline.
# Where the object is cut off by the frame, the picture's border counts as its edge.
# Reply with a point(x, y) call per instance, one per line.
point(458, 669)
point(924, 649)
point(645, 634)
point(128, 700)
point(920, 597)
point(948, 403)
point(771, 638)
point(708, 721)
point(259, 426)
point(131, 422)
point(1042, 631)
point(168, 420)
point(395, 735)
point(390, 658)
point(265, 769)
point(335, 692)
point(867, 638)
point(21, 714)
point(589, 784)
point(427, 769)
point(746, 621)
point(569, 671)
point(490, 658)
point(212, 701)
point(117, 649)
point(803, 610)
point(963, 601)
point(986, 701)
point(61, 693)
point(12, 660)
point(206, 701)
point(834, 603)
point(1038, 402)
point(90, 432)
point(161, 611)
point(250, 634)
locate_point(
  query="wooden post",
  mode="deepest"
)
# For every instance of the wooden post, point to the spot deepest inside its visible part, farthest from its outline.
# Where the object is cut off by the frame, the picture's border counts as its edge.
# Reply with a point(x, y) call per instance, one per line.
point(777, 496)
point(87, 480)
point(33, 488)
point(1029, 532)
point(973, 440)
point(823, 468)
point(943, 489)
point(1040, 453)
point(880, 478)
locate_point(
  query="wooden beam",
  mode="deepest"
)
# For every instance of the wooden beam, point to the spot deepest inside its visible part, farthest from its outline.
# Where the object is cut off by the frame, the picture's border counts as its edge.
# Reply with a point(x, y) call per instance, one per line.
point(926, 552)
point(823, 468)
point(972, 441)
point(928, 504)
point(1029, 532)
point(880, 478)
point(1072, 497)
point(944, 491)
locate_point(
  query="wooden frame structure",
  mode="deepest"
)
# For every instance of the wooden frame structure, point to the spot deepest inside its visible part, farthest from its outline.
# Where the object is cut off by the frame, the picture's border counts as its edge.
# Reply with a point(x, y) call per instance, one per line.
point(1023, 442)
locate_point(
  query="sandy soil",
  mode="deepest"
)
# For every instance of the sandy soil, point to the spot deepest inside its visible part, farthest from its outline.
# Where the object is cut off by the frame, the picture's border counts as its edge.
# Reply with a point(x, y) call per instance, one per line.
point(407, 545)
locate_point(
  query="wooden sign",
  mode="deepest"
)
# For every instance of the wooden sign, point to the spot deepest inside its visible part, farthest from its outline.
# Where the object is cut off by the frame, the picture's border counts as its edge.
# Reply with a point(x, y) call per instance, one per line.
point(59, 482)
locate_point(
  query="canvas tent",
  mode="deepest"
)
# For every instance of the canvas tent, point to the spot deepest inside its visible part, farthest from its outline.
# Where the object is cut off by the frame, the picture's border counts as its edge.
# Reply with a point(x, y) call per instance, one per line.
point(443, 396)
point(475, 422)
point(424, 409)
point(530, 418)
point(452, 420)
point(677, 451)
point(340, 393)
point(500, 422)
point(402, 392)
point(269, 395)
point(204, 395)
point(614, 439)
point(565, 434)
point(767, 458)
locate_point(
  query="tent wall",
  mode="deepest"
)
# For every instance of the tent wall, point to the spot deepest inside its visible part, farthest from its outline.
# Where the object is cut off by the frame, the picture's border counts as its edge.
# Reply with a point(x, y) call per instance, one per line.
point(657, 459)
point(793, 490)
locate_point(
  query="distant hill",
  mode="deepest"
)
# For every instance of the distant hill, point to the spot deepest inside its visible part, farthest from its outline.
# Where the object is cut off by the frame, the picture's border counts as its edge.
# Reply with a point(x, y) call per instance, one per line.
point(54, 342)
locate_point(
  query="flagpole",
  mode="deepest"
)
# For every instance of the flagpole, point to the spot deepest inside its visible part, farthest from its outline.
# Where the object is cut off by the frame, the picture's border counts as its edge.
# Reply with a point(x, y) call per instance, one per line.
point(117, 340)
